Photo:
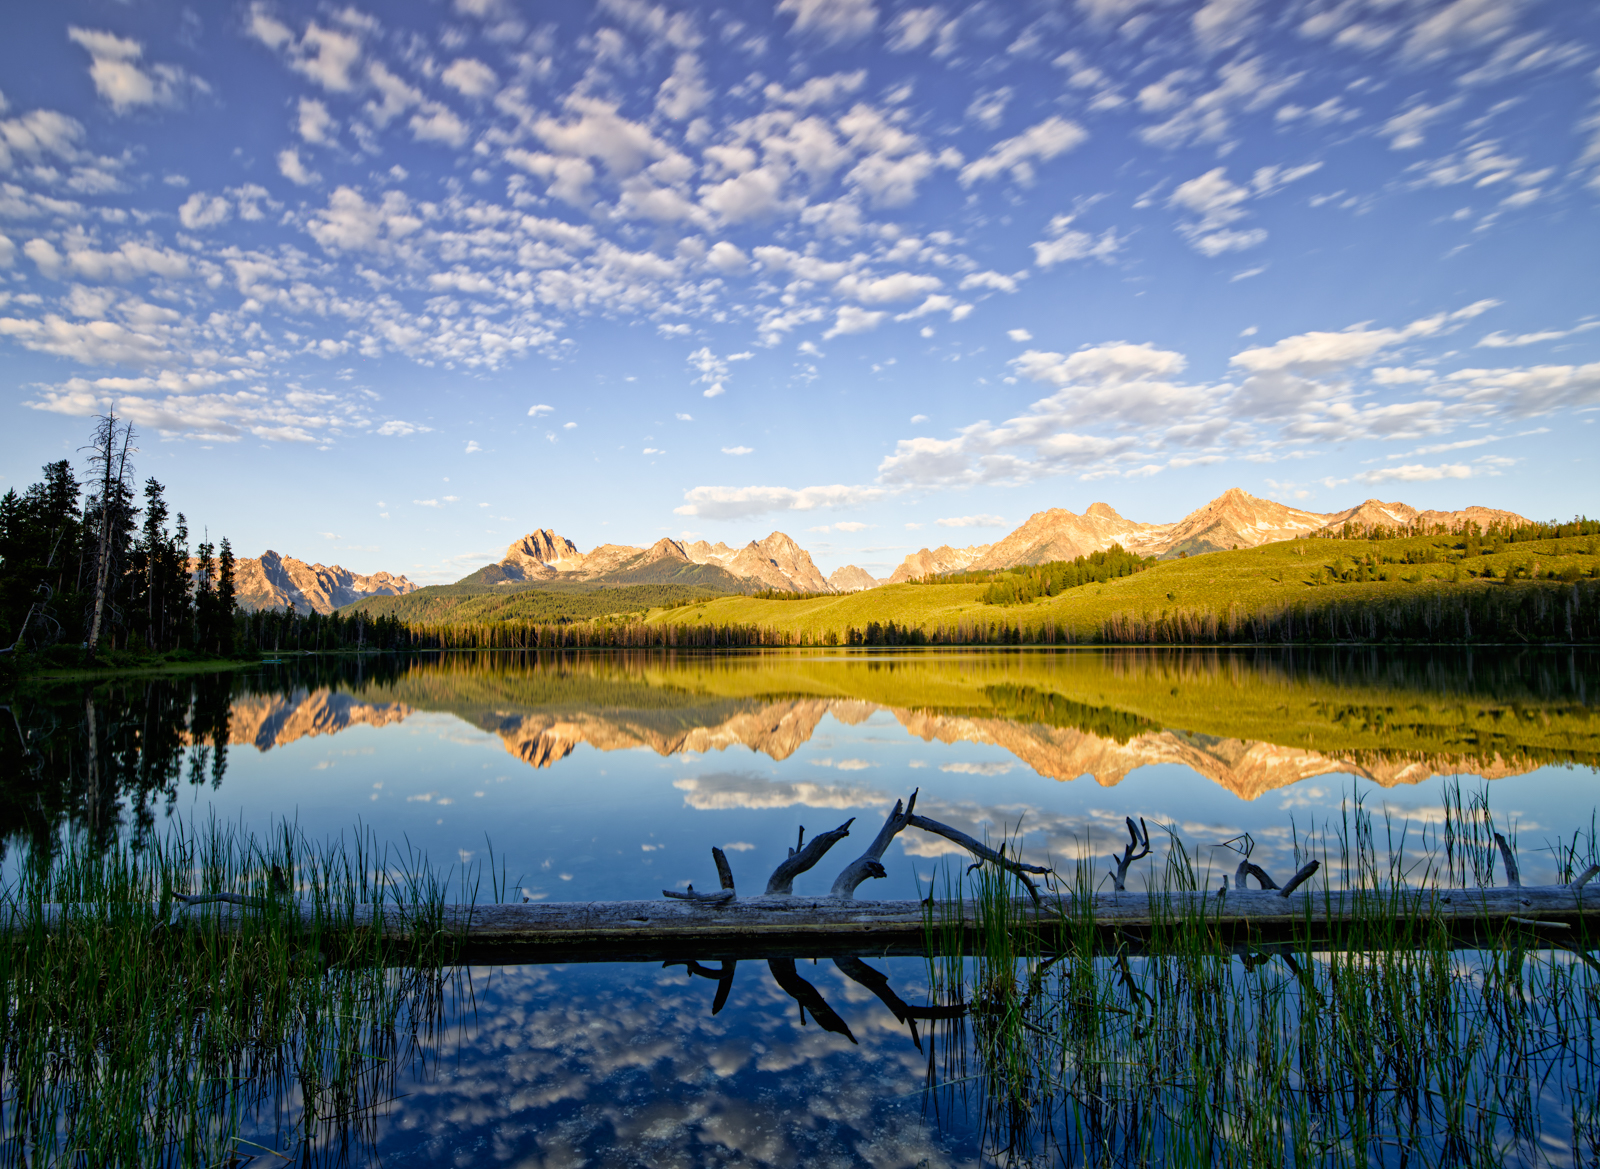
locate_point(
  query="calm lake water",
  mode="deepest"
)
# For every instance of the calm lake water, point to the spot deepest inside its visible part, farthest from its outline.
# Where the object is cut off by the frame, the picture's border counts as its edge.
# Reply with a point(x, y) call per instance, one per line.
point(611, 776)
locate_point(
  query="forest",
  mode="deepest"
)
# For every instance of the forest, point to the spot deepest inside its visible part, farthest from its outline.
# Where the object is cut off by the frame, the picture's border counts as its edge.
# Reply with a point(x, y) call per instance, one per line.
point(100, 571)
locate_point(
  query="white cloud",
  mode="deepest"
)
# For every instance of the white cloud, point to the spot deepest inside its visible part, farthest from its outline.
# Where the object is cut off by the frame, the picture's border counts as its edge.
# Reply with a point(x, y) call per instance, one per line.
point(1049, 138)
point(1067, 244)
point(738, 450)
point(913, 28)
point(124, 83)
point(1498, 340)
point(971, 521)
point(817, 91)
point(200, 210)
point(1405, 129)
point(470, 77)
point(535, 411)
point(315, 124)
point(887, 289)
point(1208, 116)
point(835, 21)
point(727, 503)
point(1416, 473)
point(1217, 203)
point(1133, 386)
point(472, 449)
point(685, 93)
point(995, 281)
point(292, 168)
point(1019, 335)
point(851, 319)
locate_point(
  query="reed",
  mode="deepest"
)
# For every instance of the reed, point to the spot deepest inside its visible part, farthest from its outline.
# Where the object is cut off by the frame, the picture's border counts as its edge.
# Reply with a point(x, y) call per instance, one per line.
point(127, 1041)
point(1393, 1043)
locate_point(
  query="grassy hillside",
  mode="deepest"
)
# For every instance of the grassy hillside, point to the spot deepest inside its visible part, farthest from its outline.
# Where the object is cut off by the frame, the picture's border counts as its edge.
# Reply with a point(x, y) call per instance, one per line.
point(1313, 573)
point(706, 578)
point(545, 602)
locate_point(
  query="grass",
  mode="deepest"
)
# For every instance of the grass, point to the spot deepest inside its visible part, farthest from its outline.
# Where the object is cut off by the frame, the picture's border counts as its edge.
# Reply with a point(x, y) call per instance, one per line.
point(126, 1043)
point(537, 602)
point(1392, 1045)
point(1256, 580)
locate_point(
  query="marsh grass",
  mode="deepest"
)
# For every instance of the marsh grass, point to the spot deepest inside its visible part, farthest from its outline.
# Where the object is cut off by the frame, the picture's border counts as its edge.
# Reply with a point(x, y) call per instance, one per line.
point(1391, 1043)
point(128, 1041)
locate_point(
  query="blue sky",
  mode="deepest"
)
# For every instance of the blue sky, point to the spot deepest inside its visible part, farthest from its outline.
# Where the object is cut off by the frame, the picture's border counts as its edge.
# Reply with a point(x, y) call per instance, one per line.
point(389, 286)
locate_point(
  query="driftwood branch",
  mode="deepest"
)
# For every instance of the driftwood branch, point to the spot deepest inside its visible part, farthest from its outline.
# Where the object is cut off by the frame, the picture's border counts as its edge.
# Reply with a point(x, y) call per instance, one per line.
point(801, 859)
point(1300, 878)
point(721, 897)
point(1139, 838)
point(724, 874)
point(1585, 877)
point(982, 851)
point(870, 863)
point(1248, 868)
point(723, 978)
point(797, 988)
point(1513, 875)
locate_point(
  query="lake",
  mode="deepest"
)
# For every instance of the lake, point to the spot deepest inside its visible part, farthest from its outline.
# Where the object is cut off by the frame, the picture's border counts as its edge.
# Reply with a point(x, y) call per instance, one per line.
point(602, 776)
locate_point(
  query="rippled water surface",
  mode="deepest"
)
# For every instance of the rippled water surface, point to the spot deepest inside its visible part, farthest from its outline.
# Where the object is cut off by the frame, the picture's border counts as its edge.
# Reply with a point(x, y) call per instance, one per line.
point(611, 776)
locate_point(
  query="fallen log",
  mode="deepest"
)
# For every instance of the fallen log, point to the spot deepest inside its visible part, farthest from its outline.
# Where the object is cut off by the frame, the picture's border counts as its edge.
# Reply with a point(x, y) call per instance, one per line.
point(545, 931)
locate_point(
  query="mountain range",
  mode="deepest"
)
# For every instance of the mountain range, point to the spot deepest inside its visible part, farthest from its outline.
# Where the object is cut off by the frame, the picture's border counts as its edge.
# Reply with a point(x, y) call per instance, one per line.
point(1235, 519)
point(282, 582)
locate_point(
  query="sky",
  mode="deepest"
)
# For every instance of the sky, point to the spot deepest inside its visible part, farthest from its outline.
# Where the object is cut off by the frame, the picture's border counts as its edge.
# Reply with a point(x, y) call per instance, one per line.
point(390, 285)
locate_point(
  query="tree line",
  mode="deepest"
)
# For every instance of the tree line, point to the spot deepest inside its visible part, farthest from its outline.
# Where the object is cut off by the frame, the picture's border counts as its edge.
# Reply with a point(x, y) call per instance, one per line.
point(102, 565)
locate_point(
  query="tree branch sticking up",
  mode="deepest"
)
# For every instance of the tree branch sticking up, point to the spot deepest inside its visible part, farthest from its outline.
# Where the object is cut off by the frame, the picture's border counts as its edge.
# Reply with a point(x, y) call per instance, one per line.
point(870, 863)
point(1138, 838)
point(724, 874)
point(1248, 868)
point(982, 851)
point(800, 859)
point(1513, 876)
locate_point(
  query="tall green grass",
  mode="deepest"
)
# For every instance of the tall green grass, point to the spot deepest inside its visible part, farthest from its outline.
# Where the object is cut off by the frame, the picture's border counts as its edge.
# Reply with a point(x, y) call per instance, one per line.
point(1397, 1044)
point(126, 1039)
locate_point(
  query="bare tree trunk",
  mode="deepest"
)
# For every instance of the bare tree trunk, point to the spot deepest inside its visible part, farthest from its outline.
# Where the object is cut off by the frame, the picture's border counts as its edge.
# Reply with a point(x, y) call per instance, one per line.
point(107, 438)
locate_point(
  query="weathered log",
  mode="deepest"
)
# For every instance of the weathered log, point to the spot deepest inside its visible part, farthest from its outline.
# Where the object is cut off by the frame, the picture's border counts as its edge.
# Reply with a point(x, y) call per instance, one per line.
point(1248, 868)
point(870, 863)
point(800, 859)
point(542, 930)
point(724, 873)
point(1304, 874)
point(1585, 877)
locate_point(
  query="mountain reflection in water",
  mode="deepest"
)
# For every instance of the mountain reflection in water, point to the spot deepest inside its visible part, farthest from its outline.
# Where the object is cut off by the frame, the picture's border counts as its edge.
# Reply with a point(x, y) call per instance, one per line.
point(1250, 722)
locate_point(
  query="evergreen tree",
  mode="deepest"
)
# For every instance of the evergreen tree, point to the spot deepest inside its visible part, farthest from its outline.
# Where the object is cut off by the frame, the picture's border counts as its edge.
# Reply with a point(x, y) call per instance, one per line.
point(225, 598)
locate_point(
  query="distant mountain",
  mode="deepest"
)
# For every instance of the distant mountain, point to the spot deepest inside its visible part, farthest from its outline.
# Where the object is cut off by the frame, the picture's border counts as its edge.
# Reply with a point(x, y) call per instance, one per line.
point(280, 582)
point(1235, 519)
point(851, 579)
point(937, 562)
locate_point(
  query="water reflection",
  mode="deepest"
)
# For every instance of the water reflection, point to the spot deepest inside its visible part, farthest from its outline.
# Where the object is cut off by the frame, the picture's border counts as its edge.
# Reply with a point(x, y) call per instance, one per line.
point(1250, 722)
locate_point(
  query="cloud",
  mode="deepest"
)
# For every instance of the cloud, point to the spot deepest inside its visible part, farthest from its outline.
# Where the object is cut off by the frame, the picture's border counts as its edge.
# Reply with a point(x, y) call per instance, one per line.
point(1051, 137)
point(315, 124)
point(851, 319)
point(1416, 473)
point(292, 168)
point(121, 81)
point(1405, 129)
point(731, 503)
point(971, 521)
point(470, 77)
point(472, 447)
point(738, 450)
point(714, 370)
point(1066, 244)
point(1498, 340)
point(1131, 388)
point(1217, 203)
point(1208, 116)
point(200, 211)
point(535, 411)
point(1019, 335)
point(834, 21)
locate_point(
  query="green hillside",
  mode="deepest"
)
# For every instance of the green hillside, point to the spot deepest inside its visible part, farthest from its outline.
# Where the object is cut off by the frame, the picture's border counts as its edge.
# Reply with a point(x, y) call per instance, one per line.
point(1313, 574)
